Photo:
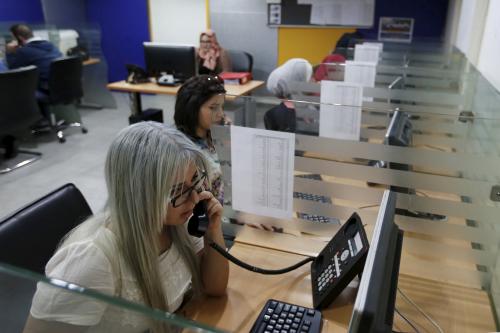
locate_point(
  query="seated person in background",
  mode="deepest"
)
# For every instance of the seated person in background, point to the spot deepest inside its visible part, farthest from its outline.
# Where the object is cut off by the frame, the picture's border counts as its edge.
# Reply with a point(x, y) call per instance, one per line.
point(199, 104)
point(282, 117)
point(330, 72)
point(138, 248)
point(211, 57)
point(28, 50)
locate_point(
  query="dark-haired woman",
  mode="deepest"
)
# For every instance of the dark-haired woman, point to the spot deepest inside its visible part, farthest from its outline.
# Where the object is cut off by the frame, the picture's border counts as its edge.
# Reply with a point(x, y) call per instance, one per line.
point(199, 104)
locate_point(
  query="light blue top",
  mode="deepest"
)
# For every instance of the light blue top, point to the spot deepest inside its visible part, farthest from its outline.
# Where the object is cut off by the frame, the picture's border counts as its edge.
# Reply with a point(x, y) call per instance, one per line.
point(3, 66)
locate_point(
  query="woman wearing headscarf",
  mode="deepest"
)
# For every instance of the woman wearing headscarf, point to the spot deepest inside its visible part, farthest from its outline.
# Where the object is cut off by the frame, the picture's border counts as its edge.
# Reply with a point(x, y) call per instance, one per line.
point(282, 117)
point(330, 68)
point(212, 58)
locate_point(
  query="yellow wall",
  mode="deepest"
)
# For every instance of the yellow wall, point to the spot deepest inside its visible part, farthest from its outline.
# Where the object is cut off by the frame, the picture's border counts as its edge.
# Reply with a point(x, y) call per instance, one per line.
point(312, 44)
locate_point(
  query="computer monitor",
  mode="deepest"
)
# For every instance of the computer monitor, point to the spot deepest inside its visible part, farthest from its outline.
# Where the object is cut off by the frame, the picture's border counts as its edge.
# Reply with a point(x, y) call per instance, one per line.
point(178, 60)
point(376, 298)
point(399, 134)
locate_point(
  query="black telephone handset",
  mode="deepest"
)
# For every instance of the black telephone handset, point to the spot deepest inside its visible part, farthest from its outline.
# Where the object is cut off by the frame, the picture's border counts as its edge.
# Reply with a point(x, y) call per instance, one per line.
point(339, 262)
point(198, 223)
point(136, 74)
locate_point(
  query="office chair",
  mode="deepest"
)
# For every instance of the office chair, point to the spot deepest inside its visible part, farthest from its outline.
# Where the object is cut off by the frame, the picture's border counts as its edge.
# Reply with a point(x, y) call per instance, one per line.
point(18, 111)
point(241, 61)
point(29, 237)
point(65, 88)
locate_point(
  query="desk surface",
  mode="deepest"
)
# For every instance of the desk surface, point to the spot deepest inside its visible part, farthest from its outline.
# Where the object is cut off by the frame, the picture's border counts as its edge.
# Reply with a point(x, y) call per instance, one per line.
point(454, 308)
point(153, 88)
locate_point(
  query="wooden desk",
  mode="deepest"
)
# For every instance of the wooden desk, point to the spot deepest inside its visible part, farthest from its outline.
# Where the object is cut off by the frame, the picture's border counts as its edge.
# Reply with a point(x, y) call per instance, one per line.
point(233, 92)
point(455, 309)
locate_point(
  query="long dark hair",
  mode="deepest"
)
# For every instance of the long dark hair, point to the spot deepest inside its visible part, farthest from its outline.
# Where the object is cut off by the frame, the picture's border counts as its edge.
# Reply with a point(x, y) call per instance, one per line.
point(191, 96)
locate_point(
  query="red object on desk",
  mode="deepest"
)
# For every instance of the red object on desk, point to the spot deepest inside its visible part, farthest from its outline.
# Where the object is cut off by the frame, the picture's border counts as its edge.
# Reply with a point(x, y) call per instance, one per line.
point(235, 77)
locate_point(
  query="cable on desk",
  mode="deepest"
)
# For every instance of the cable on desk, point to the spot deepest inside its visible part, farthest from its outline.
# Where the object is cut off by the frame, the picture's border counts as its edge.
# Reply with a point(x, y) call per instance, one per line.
point(407, 320)
point(246, 266)
point(421, 311)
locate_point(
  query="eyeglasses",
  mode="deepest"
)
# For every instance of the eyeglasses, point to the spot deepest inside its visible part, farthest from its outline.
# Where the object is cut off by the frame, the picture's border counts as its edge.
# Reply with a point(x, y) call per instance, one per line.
point(198, 186)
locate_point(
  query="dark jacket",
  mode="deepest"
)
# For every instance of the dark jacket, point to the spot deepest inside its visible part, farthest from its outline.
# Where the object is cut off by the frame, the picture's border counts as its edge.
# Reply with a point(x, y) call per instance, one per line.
point(39, 53)
point(281, 118)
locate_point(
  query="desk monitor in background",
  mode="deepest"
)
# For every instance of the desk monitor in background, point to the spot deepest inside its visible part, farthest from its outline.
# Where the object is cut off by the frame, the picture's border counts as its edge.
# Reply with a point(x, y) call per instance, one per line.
point(400, 134)
point(376, 298)
point(177, 60)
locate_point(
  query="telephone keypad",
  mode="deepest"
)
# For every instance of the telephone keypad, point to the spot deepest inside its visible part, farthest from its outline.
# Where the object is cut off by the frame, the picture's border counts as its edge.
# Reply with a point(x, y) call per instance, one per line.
point(339, 262)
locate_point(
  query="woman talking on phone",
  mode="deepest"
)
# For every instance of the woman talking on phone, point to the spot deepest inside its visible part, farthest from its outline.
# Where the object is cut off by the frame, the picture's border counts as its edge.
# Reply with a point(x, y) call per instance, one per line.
point(138, 248)
point(199, 105)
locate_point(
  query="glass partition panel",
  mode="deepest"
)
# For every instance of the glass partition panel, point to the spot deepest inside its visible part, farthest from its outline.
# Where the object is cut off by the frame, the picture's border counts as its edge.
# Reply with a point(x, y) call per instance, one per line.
point(87, 37)
point(444, 176)
point(38, 304)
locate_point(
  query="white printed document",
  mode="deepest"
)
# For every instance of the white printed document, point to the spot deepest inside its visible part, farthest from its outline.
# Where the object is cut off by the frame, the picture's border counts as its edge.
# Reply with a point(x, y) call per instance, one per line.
point(340, 110)
point(262, 164)
point(362, 72)
point(366, 52)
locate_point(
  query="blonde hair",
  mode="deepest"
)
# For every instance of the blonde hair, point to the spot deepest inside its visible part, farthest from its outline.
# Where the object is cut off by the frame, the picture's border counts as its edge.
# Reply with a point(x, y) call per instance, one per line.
point(143, 163)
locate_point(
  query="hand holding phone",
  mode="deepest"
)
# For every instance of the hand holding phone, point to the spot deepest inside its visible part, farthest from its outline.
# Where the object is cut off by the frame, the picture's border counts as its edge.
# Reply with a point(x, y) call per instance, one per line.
point(213, 209)
point(207, 215)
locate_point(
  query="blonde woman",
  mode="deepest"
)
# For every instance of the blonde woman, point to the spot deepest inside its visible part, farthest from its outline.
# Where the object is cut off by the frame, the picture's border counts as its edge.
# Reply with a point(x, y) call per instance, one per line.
point(138, 248)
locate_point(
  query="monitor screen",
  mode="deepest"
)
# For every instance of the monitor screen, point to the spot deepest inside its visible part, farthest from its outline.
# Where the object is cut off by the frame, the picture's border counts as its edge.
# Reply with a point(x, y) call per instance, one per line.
point(178, 60)
point(376, 298)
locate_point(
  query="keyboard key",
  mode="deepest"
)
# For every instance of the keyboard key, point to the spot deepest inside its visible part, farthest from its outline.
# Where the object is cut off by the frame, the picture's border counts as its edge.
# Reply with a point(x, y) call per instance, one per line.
point(273, 304)
point(267, 317)
point(279, 308)
point(307, 322)
point(281, 321)
point(293, 309)
point(310, 312)
point(286, 307)
point(295, 325)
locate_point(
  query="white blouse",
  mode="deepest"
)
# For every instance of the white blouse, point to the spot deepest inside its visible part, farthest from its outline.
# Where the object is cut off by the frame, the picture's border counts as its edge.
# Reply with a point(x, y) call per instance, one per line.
point(85, 264)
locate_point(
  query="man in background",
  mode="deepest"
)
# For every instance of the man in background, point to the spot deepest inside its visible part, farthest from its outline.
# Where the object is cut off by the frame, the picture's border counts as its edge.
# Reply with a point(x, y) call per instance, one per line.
point(28, 50)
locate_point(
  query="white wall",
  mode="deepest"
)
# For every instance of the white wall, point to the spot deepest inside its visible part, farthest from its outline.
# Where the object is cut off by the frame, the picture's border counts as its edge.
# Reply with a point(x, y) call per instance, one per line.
point(489, 54)
point(471, 28)
point(465, 25)
point(177, 21)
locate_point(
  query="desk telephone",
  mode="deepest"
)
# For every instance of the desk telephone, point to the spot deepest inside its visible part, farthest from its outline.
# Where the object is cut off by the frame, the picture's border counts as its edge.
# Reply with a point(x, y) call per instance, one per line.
point(136, 74)
point(331, 271)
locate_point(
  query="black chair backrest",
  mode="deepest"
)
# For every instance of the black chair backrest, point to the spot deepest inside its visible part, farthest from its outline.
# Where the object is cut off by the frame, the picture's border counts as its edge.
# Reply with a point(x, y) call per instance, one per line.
point(241, 61)
point(65, 80)
point(18, 106)
point(29, 237)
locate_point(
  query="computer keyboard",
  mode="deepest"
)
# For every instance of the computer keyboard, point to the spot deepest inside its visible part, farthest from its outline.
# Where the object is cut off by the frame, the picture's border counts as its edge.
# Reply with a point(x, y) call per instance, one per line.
point(318, 218)
point(281, 317)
